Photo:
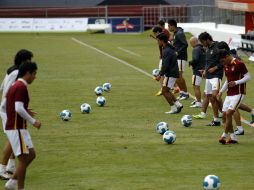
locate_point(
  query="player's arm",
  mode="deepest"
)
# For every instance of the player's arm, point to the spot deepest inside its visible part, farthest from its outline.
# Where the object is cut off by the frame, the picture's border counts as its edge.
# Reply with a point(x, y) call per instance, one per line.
point(245, 79)
point(19, 108)
point(223, 89)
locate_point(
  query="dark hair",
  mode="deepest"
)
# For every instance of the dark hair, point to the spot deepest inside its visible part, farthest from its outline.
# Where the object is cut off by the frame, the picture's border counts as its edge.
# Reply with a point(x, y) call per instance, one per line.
point(172, 22)
point(222, 53)
point(163, 37)
point(25, 67)
point(205, 36)
point(157, 29)
point(161, 23)
point(223, 45)
point(22, 55)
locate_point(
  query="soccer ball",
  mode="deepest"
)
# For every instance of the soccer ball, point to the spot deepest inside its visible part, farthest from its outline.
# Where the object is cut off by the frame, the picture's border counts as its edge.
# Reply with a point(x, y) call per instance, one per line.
point(85, 108)
point(186, 120)
point(106, 87)
point(101, 101)
point(65, 115)
point(98, 90)
point(211, 182)
point(169, 137)
point(156, 72)
point(161, 127)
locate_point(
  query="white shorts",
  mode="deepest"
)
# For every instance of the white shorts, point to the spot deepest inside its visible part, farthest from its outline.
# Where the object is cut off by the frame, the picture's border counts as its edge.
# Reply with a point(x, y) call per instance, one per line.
point(160, 64)
point(169, 82)
point(211, 85)
point(20, 141)
point(181, 64)
point(232, 102)
point(196, 80)
point(4, 119)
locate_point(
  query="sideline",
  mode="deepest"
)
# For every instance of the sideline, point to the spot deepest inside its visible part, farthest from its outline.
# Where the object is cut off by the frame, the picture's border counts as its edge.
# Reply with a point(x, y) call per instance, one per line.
point(134, 67)
point(128, 51)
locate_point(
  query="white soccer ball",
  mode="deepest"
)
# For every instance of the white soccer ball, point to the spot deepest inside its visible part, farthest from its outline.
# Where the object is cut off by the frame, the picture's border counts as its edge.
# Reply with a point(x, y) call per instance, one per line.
point(156, 72)
point(101, 101)
point(106, 87)
point(169, 137)
point(98, 90)
point(211, 182)
point(186, 120)
point(161, 127)
point(65, 115)
point(85, 108)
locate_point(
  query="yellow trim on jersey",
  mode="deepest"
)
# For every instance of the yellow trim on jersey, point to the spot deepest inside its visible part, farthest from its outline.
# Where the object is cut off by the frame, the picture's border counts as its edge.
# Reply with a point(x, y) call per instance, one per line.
point(15, 121)
point(237, 104)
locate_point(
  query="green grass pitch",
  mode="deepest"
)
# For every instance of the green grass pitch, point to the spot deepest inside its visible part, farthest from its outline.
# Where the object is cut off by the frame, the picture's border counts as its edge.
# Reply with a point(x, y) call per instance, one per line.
point(116, 147)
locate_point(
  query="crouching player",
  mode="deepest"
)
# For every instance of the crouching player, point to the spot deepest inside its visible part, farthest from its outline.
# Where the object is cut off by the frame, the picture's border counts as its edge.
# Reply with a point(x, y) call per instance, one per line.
point(236, 77)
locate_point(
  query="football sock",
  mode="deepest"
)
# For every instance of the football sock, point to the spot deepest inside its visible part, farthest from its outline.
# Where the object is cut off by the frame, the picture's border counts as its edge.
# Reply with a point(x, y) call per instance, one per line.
point(239, 128)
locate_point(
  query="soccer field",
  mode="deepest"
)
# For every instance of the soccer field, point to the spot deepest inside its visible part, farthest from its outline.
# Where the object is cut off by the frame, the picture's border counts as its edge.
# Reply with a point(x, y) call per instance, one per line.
point(116, 147)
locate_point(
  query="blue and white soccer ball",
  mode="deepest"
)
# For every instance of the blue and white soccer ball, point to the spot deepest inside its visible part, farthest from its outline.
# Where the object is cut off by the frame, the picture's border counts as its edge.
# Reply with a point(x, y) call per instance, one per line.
point(186, 120)
point(101, 101)
point(169, 137)
point(211, 182)
point(65, 115)
point(161, 127)
point(106, 86)
point(98, 90)
point(156, 72)
point(85, 108)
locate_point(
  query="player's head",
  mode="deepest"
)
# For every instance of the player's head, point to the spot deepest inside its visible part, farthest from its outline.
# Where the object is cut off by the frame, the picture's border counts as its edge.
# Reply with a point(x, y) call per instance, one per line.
point(163, 38)
point(172, 25)
point(224, 56)
point(223, 45)
point(161, 23)
point(205, 39)
point(22, 55)
point(194, 41)
point(156, 30)
point(27, 71)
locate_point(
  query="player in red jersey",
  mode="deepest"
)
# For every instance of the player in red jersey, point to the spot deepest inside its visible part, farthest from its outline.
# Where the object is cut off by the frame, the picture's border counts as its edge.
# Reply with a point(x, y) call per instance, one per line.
point(235, 84)
point(16, 127)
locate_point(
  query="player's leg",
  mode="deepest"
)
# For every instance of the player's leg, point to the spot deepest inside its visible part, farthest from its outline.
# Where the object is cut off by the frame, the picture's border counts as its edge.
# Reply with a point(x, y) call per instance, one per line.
point(224, 135)
point(181, 81)
point(6, 155)
point(246, 108)
point(237, 118)
point(196, 81)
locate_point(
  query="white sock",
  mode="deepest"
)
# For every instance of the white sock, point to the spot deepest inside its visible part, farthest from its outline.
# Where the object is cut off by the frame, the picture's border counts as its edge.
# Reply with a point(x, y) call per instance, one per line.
point(203, 113)
point(177, 104)
point(239, 128)
point(198, 104)
point(216, 119)
point(173, 108)
point(224, 135)
point(233, 136)
point(2, 168)
point(252, 112)
point(11, 163)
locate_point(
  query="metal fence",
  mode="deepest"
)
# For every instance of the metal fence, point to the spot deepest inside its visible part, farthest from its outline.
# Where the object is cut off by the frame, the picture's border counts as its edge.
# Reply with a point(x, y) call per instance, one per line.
point(192, 14)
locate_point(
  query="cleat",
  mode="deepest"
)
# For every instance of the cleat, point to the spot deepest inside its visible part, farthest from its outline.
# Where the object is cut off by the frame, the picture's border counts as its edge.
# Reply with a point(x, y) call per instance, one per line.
point(195, 106)
point(199, 116)
point(222, 140)
point(5, 176)
point(193, 102)
point(237, 132)
point(180, 96)
point(184, 97)
point(158, 93)
point(230, 141)
point(179, 109)
point(214, 123)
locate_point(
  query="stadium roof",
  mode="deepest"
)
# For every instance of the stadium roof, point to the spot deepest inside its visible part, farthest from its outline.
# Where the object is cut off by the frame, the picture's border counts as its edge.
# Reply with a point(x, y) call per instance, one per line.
point(133, 2)
point(238, 5)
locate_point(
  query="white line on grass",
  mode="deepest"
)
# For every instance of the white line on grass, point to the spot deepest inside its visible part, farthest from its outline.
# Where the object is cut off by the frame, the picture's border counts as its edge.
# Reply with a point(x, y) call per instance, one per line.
point(128, 51)
point(112, 57)
point(133, 67)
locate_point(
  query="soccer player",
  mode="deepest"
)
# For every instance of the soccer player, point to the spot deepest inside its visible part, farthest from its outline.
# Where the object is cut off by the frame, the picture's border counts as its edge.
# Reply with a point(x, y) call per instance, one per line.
point(180, 44)
point(198, 64)
point(170, 72)
point(8, 160)
point(213, 74)
point(235, 84)
point(18, 114)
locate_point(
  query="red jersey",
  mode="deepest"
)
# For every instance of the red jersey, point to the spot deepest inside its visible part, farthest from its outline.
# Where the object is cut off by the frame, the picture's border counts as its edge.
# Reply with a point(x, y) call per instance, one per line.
point(17, 92)
point(235, 71)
